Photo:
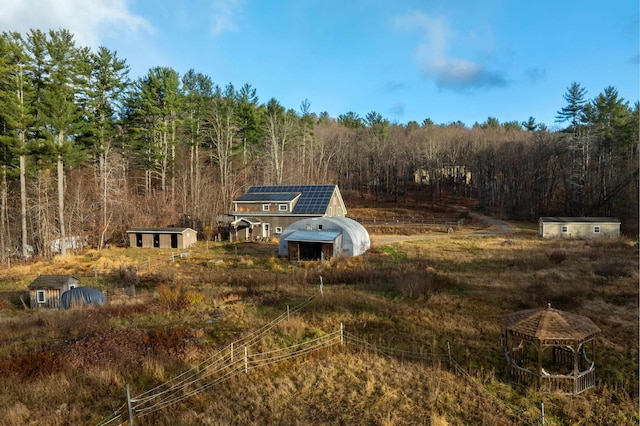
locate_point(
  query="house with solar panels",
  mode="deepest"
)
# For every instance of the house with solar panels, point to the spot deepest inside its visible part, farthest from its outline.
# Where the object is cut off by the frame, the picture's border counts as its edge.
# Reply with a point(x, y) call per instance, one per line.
point(266, 211)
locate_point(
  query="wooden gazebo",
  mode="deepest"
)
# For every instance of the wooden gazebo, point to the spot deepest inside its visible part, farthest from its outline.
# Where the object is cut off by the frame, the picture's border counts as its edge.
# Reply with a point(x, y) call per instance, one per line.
point(547, 348)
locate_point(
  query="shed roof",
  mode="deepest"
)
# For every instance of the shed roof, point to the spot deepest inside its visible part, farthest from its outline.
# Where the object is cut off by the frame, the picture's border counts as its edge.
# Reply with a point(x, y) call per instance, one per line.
point(53, 281)
point(556, 219)
point(313, 236)
point(550, 324)
point(159, 230)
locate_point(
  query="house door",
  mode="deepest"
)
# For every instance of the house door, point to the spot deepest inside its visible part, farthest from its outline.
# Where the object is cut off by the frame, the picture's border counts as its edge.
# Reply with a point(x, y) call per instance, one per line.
point(266, 230)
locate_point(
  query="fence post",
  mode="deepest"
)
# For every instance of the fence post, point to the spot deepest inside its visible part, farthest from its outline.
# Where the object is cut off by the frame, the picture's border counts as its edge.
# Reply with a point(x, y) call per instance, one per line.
point(287, 312)
point(449, 353)
point(129, 408)
point(341, 334)
point(321, 292)
point(542, 403)
point(231, 352)
point(246, 361)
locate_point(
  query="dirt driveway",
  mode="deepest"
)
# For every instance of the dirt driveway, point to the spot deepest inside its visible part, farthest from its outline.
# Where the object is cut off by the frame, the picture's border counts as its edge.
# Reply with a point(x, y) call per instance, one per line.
point(496, 227)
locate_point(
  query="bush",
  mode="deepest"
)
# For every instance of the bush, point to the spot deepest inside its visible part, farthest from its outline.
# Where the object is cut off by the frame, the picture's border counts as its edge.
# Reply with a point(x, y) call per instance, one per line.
point(557, 256)
point(177, 299)
point(612, 268)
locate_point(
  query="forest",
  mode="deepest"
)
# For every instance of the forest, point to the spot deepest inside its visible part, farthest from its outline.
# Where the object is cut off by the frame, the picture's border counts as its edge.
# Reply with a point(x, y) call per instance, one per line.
point(88, 151)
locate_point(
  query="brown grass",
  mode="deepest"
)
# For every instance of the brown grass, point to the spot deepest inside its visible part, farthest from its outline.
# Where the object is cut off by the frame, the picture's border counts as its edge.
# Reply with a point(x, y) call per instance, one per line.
point(70, 367)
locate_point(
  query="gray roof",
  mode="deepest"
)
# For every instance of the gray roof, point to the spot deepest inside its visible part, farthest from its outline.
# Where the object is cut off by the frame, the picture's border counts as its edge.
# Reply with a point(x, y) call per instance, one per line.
point(159, 230)
point(556, 219)
point(53, 281)
point(314, 199)
point(313, 236)
point(273, 196)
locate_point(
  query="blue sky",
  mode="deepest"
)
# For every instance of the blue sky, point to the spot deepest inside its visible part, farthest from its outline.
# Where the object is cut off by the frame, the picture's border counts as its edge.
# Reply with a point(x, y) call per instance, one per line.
point(407, 60)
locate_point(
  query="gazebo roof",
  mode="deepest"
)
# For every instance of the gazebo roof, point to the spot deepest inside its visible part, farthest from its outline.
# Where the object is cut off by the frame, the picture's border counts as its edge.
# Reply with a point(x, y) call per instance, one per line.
point(550, 324)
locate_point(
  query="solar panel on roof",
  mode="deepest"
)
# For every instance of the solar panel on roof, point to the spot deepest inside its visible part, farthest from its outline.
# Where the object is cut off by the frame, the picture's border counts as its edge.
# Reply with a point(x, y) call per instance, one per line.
point(313, 199)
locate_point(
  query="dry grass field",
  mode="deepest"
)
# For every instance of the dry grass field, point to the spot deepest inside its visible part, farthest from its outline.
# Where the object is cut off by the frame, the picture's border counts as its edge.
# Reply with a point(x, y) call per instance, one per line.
point(413, 298)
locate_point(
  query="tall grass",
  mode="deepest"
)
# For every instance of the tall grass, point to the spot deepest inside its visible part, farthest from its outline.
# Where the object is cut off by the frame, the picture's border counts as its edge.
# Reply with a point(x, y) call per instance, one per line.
point(70, 367)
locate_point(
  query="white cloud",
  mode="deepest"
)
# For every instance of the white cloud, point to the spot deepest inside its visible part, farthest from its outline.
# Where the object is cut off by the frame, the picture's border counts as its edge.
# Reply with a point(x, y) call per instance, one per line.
point(435, 61)
point(223, 15)
point(89, 21)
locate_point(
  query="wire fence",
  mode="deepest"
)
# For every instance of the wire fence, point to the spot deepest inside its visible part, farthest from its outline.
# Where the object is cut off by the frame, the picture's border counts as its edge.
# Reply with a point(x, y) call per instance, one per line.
point(239, 358)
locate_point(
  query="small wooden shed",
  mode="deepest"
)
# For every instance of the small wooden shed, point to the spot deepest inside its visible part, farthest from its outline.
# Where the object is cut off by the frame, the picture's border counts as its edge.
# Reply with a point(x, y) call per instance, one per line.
point(578, 227)
point(46, 290)
point(176, 238)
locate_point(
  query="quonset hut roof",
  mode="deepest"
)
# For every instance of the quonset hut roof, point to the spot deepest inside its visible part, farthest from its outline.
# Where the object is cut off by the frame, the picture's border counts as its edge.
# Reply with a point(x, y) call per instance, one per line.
point(355, 238)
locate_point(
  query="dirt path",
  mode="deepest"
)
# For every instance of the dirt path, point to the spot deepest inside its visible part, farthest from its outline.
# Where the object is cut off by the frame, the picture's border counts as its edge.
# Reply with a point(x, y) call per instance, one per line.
point(496, 227)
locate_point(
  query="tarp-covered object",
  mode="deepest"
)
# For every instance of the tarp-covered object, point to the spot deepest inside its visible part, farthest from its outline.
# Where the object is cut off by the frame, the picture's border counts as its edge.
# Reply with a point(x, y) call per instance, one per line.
point(82, 296)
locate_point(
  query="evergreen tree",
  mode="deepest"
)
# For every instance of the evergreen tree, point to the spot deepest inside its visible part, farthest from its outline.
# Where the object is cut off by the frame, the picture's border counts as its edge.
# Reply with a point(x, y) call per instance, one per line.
point(573, 112)
point(107, 83)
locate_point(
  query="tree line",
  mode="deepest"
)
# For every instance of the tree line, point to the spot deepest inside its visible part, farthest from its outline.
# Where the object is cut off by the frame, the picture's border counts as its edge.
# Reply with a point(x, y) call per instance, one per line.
point(85, 150)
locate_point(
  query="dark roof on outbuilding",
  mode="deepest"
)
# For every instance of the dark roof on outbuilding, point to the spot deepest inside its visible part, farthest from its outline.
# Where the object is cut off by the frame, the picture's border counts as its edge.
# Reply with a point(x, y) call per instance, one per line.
point(159, 230)
point(556, 219)
point(53, 281)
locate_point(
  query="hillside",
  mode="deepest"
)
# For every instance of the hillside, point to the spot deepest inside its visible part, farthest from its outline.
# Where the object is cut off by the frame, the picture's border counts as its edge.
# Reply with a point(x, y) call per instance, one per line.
point(403, 308)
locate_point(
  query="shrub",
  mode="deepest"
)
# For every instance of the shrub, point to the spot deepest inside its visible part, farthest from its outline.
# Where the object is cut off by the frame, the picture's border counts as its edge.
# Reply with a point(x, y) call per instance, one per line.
point(177, 299)
point(611, 268)
point(557, 256)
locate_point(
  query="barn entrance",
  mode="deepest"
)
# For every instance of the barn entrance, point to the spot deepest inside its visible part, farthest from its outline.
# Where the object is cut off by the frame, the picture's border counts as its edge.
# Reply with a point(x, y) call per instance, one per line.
point(313, 245)
point(310, 251)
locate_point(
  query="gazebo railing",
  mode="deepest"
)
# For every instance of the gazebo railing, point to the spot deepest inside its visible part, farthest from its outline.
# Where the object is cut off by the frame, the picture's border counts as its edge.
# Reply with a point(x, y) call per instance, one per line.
point(554, 382)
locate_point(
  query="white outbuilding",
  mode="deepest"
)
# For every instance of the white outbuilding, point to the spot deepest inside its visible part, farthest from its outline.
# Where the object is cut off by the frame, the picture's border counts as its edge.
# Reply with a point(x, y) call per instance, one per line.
point(323, 238)
point(578, 227)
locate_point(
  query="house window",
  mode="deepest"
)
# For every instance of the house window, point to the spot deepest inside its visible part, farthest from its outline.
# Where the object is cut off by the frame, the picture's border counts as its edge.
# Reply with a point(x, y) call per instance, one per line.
point(565, 229)
point(320, 227)
point(72, 286)
point(596, 229)
point(278, 229)
point(265, 207)
point(41, 296)
point(282, 207)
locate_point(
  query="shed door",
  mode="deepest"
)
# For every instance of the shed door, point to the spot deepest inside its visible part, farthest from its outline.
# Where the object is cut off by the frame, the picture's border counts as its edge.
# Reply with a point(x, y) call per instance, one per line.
point(156, 240)
point(138, 239)
point(174, 240)
point(310, 251)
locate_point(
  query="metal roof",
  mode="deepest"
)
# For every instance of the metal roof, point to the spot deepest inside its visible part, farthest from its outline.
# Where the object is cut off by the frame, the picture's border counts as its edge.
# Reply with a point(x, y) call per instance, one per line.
point(313, 236)
point(314, 199)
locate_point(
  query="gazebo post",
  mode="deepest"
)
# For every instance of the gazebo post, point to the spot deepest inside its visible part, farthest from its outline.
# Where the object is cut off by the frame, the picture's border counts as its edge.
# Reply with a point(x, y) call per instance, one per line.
point(539, 363)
